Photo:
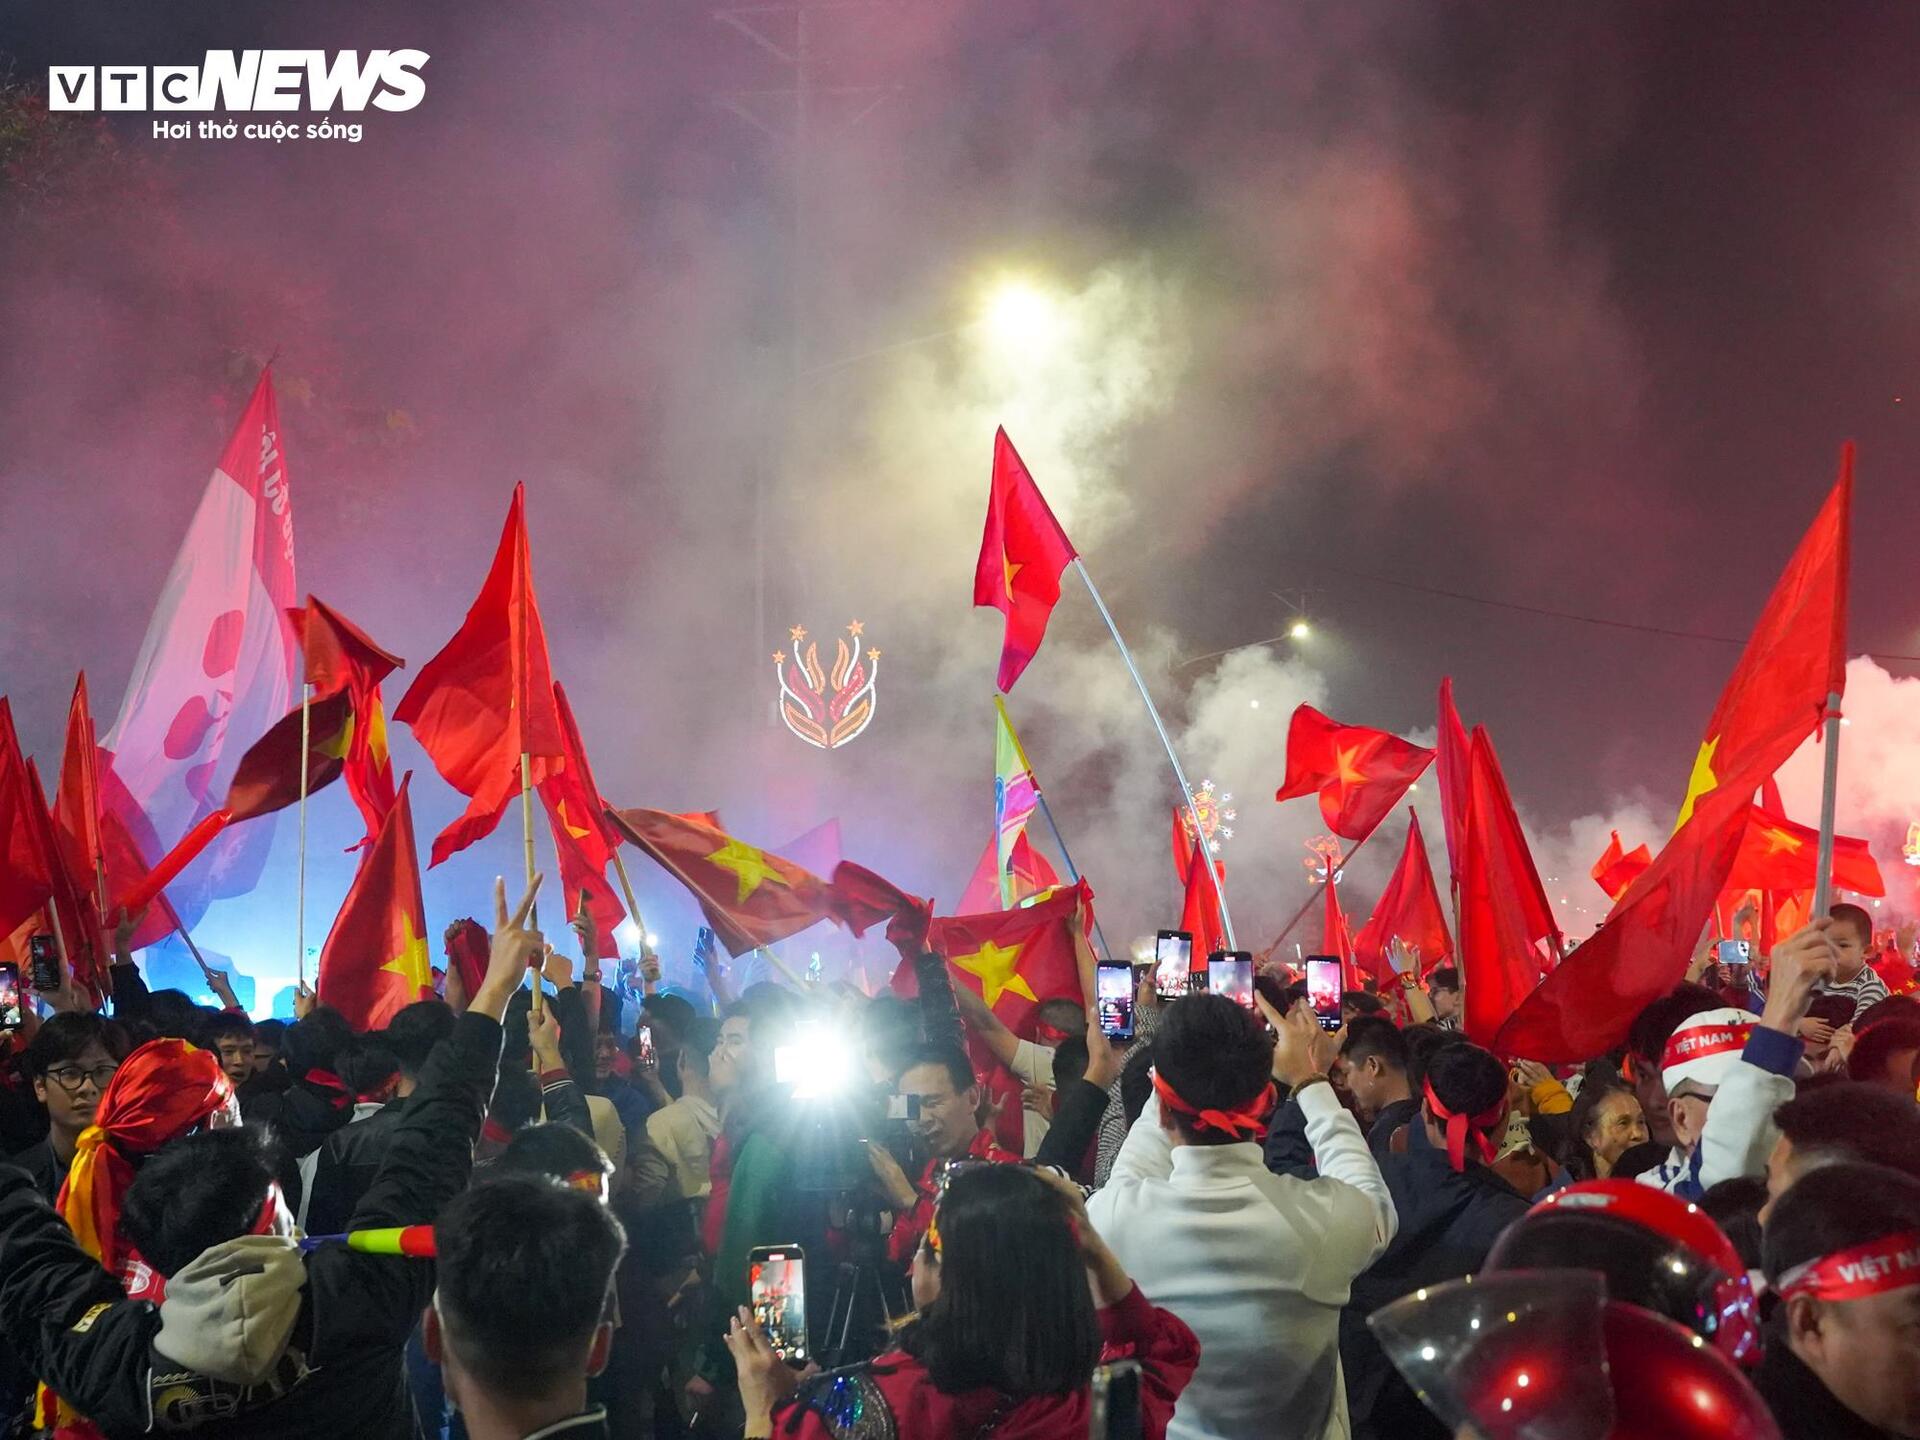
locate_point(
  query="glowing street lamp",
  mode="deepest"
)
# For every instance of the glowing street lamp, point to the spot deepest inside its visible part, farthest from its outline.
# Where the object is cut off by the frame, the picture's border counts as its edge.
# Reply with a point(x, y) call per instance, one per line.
point(1021, 316)
point(1300, 630)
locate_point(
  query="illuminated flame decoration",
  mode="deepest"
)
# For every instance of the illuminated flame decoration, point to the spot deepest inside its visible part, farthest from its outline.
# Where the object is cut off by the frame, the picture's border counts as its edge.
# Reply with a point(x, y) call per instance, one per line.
point(1910, 852)
point(1323, 859)
point(828, 708)
point(1216, 813)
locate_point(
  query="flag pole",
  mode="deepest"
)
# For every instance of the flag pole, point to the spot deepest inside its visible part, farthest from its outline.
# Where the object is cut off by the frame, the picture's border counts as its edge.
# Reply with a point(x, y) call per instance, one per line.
point(1829, 793)
point(1307, 904)
point(526, 830)
point(1180, 775)
point(300, 886)
point(1067, 855)
point(633, 905)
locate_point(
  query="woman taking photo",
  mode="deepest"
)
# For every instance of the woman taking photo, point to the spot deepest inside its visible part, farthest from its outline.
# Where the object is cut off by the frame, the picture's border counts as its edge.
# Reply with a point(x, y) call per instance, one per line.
point(1018, 1300)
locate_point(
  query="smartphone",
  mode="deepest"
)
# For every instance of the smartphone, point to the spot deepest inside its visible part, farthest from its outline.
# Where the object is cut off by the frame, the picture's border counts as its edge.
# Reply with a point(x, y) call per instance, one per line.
point(1113, 990)
point(1325, 989)
point(45, 959)
point(1735, 953)
point(777, 1276)
point(9, 996)
point(904, 1108)
point(703, 946)
point(1172, 963)
point(1116, 1401)
point(1230, 973)
point(643, 1045)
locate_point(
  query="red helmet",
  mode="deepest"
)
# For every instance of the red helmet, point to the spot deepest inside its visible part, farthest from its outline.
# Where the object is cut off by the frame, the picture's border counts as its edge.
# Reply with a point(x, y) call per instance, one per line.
point(1656, 1251)
point(1544, 1355)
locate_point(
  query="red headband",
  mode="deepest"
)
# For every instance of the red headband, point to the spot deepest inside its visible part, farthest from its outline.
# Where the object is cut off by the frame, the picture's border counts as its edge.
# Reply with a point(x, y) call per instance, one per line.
point(1459, 1126)
point(1889, 1263)
point(1698, 1044)
point(1247, 1122)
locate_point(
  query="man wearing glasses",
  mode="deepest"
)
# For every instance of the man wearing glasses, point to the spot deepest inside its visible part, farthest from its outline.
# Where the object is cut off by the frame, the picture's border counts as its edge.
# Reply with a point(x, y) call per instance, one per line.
point(70, 1061)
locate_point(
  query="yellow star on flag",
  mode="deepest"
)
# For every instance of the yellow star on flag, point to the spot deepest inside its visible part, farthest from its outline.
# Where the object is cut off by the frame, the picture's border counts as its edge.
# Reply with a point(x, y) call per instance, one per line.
point(411, 964)
point(1349, 772)
point(577, 832)
point(1701, 781)
point(749, 867)
point(1778, 840)
point(994, 965)
point(336, 748)
point(1012, 570)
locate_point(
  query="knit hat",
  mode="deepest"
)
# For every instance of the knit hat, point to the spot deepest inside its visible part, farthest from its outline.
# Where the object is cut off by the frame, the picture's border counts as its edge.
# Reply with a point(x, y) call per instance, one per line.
point(1706, 1047)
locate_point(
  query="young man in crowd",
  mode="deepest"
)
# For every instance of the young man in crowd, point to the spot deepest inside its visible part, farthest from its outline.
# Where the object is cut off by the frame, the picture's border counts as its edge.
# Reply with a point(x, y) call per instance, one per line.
point(685, 1130)
point(939, 1080)
point(1843, 1256)
point(230, 1036)
point(1841, 1123)
point(254, 1339)
point(69, 1060)
point(1374, 1062)
point(1443, 990)
point(522, 1312)
point(1258, 1265)
point(1726, 1072)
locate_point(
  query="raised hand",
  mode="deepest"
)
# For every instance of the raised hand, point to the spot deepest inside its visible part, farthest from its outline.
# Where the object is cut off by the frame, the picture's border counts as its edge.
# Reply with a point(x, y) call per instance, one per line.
point(515, 946)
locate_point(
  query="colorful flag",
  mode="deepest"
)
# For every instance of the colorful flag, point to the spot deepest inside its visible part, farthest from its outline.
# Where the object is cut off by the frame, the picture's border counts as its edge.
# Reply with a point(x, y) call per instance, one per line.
point(487, 698)
point(1498, 963)
point(582, 838)
point(1359, 774)
point(375, 961)
point(341, 658)
point(1409, 909)
point(1778, 854)
point(750, 897)
point(1793, 662)
point(1615, 870)
point(1028, 869)
point(217, 665)
point(1450, 768)
point(1798, 648)
point(1015, 794)
point(1023, 553)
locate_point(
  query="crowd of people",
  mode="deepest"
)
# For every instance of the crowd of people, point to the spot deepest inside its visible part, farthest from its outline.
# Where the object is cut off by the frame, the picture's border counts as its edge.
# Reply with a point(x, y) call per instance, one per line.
point(546, 1209)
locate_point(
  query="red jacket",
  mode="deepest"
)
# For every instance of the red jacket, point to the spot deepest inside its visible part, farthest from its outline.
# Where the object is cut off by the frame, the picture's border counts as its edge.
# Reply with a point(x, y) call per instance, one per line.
point(908, 1228)
point(893, 1396)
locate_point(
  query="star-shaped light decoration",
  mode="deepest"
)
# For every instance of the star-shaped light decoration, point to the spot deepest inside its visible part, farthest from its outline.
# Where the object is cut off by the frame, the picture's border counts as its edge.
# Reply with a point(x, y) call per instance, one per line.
point(1215, 808)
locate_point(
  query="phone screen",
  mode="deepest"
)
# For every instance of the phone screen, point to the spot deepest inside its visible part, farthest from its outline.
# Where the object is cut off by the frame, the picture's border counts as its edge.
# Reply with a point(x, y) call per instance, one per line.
point(1230, 973)
point(643, 1044)
point(46, 962)
point(1116, 1401)
point(9, 996)
point(1172, 963)
point(1113, 989)
point(1325, 989)
point(778, 1278)
point(1735, 952)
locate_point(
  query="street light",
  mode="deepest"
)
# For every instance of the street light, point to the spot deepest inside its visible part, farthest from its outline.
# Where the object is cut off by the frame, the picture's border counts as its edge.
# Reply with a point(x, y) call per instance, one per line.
point(1020, 316)
point(1300, 630)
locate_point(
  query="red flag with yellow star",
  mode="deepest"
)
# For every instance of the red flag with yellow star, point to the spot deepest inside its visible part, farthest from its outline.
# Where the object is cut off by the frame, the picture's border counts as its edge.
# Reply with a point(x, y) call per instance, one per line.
point(1359, 774)
point(1408, 909)
point(1023, 553)
point(582, 838)
point(1015, 959)
point(375, 961)
point(1795, 659)
point(1199, 901)
point(1616, 869)
point(268, 777)
point(1793, 666)
point(487, 698)
point(750, 897)
point(1778, 854)
point(340, 658)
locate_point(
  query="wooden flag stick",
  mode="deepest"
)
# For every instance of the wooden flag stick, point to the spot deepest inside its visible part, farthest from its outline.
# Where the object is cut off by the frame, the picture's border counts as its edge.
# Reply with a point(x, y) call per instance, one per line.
point(633, 906)
point(526, 832)
point(1829, 793)
point(300, 884)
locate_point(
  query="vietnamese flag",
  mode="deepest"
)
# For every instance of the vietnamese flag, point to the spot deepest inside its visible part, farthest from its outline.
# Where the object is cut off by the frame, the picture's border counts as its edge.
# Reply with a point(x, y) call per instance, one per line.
point(340, 658)
point(26, 869)
point(582, 838)
point(76, 800)
point(1200, 905)
point(487, 698)
point(1408, 909)
point(268, 777)
point(1360, 774)
point(1450, 768)
point(1336, 939)
point(1794, 662)
point(1498, 962)
point(1528, 895)
point(1023, 553)
point(750, 897)
point(1014, 959)
point(127, 839)
point(861, 899)
point(1028, 874)
point(1777, 854)
point(1615, 870)
point(375, 962)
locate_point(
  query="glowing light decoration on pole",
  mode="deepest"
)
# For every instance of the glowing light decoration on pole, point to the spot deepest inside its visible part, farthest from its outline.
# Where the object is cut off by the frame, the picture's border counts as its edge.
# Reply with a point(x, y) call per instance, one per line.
point(1323, 860)
point(828, 708)
point(1214, 809)
point(1910, 852)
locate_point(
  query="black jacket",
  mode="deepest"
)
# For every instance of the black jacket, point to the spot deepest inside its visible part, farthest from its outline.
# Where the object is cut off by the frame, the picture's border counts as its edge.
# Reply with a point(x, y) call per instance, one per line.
point(1448, 1223)
point(1802, 1405)
point(1288, 1153)
point(348, 1163)
point(340, 1371)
